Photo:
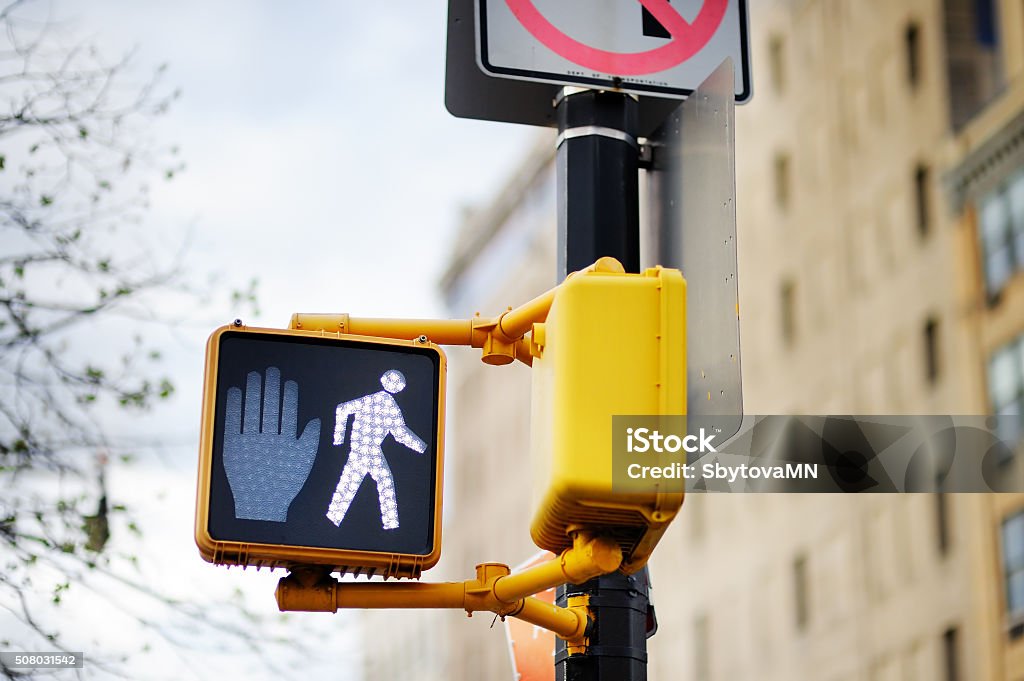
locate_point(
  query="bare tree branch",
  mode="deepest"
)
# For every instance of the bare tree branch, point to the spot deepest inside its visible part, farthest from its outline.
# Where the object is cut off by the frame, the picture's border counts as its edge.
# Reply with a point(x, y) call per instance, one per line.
point(75, 166)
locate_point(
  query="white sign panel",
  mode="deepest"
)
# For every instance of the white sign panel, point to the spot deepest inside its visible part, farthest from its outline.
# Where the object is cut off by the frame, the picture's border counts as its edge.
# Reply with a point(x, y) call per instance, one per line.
point(656, 47)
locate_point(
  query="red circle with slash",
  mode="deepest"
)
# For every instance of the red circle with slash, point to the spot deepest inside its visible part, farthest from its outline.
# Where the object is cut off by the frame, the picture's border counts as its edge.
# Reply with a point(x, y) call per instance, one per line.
point(687, 38)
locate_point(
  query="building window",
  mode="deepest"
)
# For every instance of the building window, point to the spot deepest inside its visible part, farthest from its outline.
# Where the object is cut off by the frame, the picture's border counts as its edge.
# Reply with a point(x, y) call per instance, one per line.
point(776, 61)
point(985, 23)
point(1001, 230)
point(782, 180)
point(951, 654)
point(801, 600)
point(787, 300)
point(702, 648)
point(931, 350)
point(912, 45)
point(942, 538)
point(1006, 389)
point(921, 199)
point(973, 62)
point(1013, 572)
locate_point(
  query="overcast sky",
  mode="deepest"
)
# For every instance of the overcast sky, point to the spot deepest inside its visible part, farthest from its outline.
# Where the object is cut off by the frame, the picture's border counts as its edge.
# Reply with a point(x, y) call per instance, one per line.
point(319, 154)
point(320, 160)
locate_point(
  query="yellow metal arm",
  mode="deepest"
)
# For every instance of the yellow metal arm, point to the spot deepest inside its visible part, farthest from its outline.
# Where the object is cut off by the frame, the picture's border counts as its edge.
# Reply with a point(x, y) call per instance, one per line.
point(500, 338)
point(588, 558)
point(494, 589)
point(440, 331)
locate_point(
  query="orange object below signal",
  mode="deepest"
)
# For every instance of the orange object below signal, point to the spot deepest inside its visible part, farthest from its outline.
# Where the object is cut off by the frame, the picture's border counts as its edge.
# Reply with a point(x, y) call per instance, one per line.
point(532, 648)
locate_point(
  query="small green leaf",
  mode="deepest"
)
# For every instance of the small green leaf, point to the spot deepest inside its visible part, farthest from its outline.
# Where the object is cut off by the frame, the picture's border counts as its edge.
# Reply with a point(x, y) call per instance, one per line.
point(58, 590)
point(166, 388)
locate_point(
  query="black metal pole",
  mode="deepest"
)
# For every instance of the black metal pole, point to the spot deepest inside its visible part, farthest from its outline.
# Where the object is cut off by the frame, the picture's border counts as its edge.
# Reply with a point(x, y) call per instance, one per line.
point(598, 215)
point(598, 205)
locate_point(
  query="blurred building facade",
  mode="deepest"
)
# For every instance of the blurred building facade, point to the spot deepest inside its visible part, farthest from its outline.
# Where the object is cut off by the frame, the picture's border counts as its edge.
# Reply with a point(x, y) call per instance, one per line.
point(880, 198)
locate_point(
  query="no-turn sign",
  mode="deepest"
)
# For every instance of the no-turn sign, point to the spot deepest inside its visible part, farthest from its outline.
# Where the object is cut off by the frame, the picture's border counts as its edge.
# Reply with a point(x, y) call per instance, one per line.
point(661, 47)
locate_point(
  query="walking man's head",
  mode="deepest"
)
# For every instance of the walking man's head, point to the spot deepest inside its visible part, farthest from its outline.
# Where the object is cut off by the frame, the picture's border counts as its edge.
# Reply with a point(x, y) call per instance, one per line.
point(393, 381)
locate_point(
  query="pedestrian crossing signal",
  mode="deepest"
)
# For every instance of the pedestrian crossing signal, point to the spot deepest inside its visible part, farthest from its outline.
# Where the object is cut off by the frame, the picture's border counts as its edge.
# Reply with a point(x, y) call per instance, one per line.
point(321, 448)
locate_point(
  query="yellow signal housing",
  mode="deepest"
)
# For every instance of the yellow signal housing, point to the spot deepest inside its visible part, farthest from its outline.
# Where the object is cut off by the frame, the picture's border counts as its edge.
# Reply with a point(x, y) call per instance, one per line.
point(613, 344)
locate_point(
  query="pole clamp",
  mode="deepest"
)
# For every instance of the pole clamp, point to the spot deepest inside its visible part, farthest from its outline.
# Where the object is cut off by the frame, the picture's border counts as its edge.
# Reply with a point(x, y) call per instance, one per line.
point(598, 130)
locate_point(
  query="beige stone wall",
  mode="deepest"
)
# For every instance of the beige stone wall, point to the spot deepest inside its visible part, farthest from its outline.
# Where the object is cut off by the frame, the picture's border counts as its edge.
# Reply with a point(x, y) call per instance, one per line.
point(846, 238)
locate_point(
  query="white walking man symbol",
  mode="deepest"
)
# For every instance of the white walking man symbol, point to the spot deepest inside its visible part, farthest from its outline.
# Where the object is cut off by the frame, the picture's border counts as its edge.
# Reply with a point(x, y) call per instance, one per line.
point(376, 417)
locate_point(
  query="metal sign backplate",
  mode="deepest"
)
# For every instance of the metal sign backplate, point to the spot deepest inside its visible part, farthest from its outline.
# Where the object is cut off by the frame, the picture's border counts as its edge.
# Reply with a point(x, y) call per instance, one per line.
point(692, 190)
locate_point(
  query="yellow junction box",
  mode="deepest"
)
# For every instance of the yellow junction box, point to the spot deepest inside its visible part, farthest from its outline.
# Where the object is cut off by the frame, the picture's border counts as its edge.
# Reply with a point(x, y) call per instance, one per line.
point(613, 344)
